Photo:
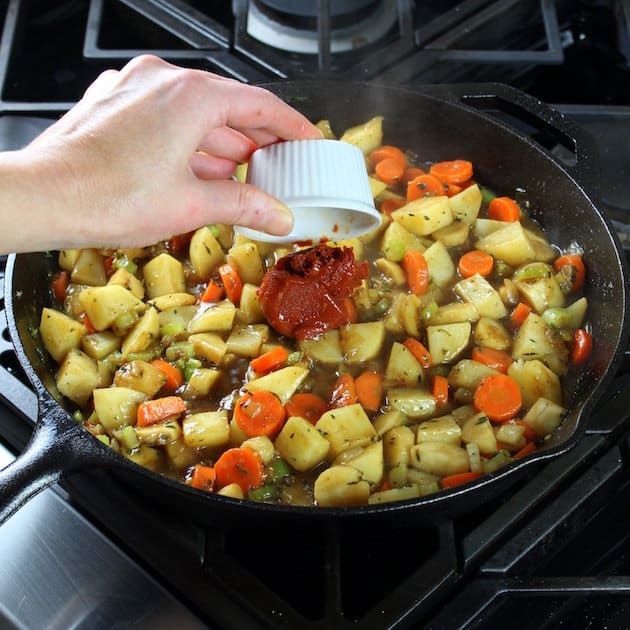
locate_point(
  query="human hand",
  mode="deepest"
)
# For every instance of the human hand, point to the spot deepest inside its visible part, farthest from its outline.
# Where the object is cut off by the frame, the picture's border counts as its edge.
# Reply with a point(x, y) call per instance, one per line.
point(149, 152)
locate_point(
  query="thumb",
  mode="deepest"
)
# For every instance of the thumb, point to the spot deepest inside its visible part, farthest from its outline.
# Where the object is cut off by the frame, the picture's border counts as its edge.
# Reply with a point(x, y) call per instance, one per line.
point(234, 203)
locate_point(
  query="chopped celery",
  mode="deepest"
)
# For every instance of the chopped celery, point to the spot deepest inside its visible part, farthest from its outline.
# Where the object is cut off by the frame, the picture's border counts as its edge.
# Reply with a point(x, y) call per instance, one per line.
point(295, 357)
point(123, 262)
point(268, 492)
point(486, 194)
point(190, 366)
point(279, 468)
point(173, 329)
point(129, 439)
point(180, 349)
point(429, 311)
point(79, 417)
point(103, 438)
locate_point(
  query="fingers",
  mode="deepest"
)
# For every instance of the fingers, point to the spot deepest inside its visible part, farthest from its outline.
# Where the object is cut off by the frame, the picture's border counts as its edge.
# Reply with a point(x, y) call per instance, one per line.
point(223, 142)
point(206, 166)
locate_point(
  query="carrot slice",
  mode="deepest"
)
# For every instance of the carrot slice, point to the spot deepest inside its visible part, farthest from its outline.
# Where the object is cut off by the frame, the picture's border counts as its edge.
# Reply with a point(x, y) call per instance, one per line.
point(389, 171)
point(452, 171)
point(172, 374)
point(451, 481)
point(369, 389)
point(344, 392)
point(85, 320)
point(242, 466)
point(270, 361)
point(159, 409)
point(581, 346)
point(453, 189)
point(306, 405)
point(504, 209)
point(350, 309)
point(388, 152)
point(440, 389)
point(578, 270)
point(519, 315)
point(411, 172)
point(389, 205)
point(202, 477)
point(416, 270)
point(419, 351)
point(59, 285)
point(476, 262)
point(530, 447)
point(499, 397)
point(424, 186)
point(496, 359)
point(213, 292)
point(232, 282)
point(259, 413)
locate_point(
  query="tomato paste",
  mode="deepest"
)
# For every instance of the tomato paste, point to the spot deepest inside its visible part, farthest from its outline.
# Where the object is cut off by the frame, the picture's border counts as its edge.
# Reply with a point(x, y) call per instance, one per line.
point(305, 294)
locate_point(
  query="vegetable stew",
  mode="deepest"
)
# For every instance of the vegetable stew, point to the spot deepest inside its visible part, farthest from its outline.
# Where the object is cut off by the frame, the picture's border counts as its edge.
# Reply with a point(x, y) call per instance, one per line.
point(411, 360)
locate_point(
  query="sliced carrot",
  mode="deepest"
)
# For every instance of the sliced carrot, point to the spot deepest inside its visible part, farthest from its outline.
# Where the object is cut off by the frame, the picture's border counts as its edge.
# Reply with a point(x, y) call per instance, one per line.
point(59, 284)
point(451, 481)
point(576, 265)
point(499, 397)
point(259, 413)
point(424, 186)
point(440, 389)
point(416, 270)
point(419, 351)
point(242, 466)
point(85, 320)
point(306, 405)
point(232, 282)
point(453, 189)
point(388, 152)
point(108, 263)
point(159, 410)
point(213, 292)
point(496, 359)
point(530, 447)
point(270, 361)
point(389, 205)
point(411, 172)
point(475, 262)
point(504, 209)
point(452, 171)
point(202, 477)
point(177, 244)
point(581, 346)
point(518, 315)
point(350, 308)
point(386, 484)
point(172, 374)
point(389, 171)
point(343, 392)
point(369, 389)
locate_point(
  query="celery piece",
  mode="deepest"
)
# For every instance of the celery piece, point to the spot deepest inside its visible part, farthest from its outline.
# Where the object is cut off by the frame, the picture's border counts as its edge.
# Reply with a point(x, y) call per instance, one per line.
point(486, 194)
point(190, 366)
point(103, 438)
point(173, 329)
point(429, 311)
point(295, 357)
point(78, 416)
point(532, 271)
point(180, 349)
point(279, 468)
point(268, 492)
point(123, 262)
point(129, 439)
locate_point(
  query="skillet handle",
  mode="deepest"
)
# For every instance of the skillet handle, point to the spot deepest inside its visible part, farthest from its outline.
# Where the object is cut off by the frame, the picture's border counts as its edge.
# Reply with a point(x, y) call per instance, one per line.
point(568, 144)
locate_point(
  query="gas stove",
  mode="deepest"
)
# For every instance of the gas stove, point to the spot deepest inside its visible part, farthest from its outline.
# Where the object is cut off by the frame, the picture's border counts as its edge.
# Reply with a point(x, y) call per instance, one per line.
point(91, 553)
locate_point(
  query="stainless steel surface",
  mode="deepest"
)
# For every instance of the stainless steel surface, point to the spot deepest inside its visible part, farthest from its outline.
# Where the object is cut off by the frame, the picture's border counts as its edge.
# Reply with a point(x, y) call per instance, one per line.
point(44, 575)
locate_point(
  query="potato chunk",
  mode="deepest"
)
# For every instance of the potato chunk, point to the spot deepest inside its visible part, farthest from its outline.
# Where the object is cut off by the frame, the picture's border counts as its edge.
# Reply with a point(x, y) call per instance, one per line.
point(283, 382)
point(205, 253)
point(362, 342)
point(116, 407)
point(104, 305)
point(206, 429)
point(77, 376)
point(301, 444)
point(448, 341)
point(341, 485)
point(345, 428)
point(424, 215)
point(536, 381)
point(439, 458)
point(164, 274)
point(60, 333)
point(478, 291)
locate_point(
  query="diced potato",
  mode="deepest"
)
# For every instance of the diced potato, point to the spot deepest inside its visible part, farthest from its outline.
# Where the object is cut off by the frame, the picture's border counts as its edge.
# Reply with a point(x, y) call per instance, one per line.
point(283, 382)
point(395, 494)
point(453, 313)
point(424, 215)
point(545, 416)
point(245, 258)
point(439, 458)
point(442, 429)
point(247, 341)
point(448, 341)
point(205, 253)
point(67, 258)
point(77, 376)
point(415, 402)
point(147, 457)
point(346, 428)
point(397, 240)
point(159, 434)
point(202, 380)
point(462, 413)
point(377, 186)
point(174, 321)
point(369, 462)
point(141, 376)
point(453, 235)
point(60, 333)
point(409, 312)
point(483, 227)
point(441, 267)
point(478, 430)
point(89, 268)
point(116, 407)
point(210, 346)
point(301, 444)
point(143, 334)
point(509, 243)
point(162, 275)
point(232, 490)
point(128, 281)
point(465, 205)
point(396, 444)
point(536, 340)
point(468, 373)
point(490, 333)
point(237, 435)
point(499, 460)
point(474, 457)
point(324, 349)
point(367, 136)
point(249, 311)
point(100, 344)
point(402, 367)
point(362, 342)
point(206, 429)
point(543, 250)
point(103, 305)
point(391, 270)
point(541, 292)
point(180, 455)
point(536, 381)
point(172, 300)
point(478, 291)
point(263, 446)
point(341, 485)
point(355, 244)
point(217, 317)
point(511, 435)
point(388, 420)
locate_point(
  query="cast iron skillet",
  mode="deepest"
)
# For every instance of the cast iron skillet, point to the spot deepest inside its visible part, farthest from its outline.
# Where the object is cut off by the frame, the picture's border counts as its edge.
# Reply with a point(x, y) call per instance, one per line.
point(439, 123)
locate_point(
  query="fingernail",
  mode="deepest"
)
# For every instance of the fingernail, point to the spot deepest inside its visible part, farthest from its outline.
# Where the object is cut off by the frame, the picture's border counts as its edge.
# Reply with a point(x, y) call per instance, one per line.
point(282, 222)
